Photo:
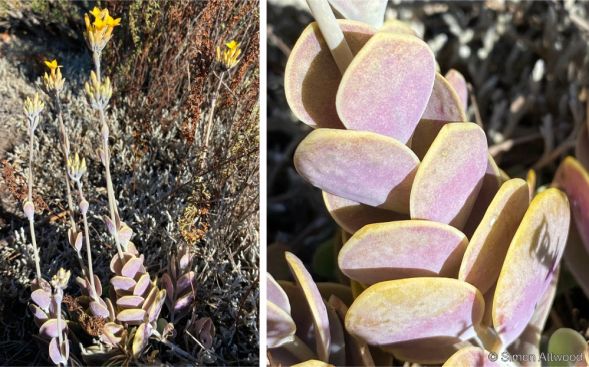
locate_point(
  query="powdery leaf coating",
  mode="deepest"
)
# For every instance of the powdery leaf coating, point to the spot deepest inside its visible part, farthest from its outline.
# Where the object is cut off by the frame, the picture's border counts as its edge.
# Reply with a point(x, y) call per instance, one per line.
point(300, 312)
point(133, 316)
point(424, 311)
point(99, 308)
point(369, 12)
point(387, 86)
point(443, 106)
point(471, 356)
point(492, 181)
point(311, 77)
point(402, 249)
point(143, 283)
point(574, 180)
point(276, 294)
point(582, 146)
point(132, 267)
point(315, 303)
point(357, 165)
point(57, 356)
point(529, 341)
point(456, 79)
point(129, 301)
point(532, 259)
point(351, 215)
point(49, 328)
point(185, 282)
point(450, 176)
point(42, 298)
point(122, 283)
point(281, 327)
point(141, 338)
point(488, 246)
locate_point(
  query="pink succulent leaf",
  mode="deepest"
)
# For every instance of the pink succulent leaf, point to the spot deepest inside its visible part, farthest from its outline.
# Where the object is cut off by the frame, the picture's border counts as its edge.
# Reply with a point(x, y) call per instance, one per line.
point(390, 80)
point(49, 328)
point(351, 215)
point(573, 178)
point(131, 267)
point(109, 332)
point(168, 285)
point(357, 165)
point(122, 283)
point(406, 316)
point(276, 294)
point(488, 246)
point(42, 298)
point(130, 301)
point(58, 355)
point(315, 303)
point(141, 338)
point(184, 302)
point(311, 77)
point(186, 282)
point(280, 325)
point(206, 331)
point(151, 296)
point(124, 234)
point(456, 79)
point(402, 249)
point(115, 263)
point(184, 262)
point(142, 285)
point(156, 307)
point(444, 103)
point(531, 261)
point(450, 176)
point(99, 309)
point(110, 226)
point(39, 315)
point(111, 309)
point(133, 316)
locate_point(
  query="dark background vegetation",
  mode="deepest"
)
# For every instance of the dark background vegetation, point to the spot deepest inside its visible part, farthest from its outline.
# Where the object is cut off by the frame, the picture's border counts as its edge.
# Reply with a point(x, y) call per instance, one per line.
point(161, 61)
point(528, 66)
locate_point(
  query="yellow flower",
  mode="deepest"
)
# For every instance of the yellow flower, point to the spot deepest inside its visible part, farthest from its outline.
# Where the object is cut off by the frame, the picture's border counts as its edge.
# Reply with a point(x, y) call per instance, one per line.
point(54, 80)
point(52, 65)
point(229, 57)
point(76, 167)
point(112, 22)
point(99, 31)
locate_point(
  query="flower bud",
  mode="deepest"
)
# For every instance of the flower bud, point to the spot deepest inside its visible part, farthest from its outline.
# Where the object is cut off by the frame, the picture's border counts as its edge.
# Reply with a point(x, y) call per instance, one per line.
point(29, 209)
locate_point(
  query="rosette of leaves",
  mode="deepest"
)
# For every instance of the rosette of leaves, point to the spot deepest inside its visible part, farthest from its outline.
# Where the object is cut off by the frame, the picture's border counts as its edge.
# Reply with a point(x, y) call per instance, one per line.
point(444, 251)
point(179, 282)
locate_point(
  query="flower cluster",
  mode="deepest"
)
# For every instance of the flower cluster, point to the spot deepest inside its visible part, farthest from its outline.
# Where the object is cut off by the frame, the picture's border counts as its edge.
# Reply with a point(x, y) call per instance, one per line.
point(53, 80)
point(98, 92)
point(99, 31)
point(230, 56)
point(32, 109)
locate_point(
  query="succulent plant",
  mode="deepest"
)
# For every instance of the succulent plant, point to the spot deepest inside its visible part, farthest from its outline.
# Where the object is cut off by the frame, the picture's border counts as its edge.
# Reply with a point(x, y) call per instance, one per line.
point(449, 259)
point(179, 282)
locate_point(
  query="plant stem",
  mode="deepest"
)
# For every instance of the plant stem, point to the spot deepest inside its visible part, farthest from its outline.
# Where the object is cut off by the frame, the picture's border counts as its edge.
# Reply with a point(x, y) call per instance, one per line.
point(58, 298)
point(209, 126)
point(87, 238)
point(106, 163)
point(332, 33)
point(64, 142)
point(30, 199)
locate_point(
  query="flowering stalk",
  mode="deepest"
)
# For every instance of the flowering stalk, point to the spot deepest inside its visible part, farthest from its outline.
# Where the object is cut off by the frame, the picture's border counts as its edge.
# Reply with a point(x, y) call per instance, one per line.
point(98, 33)
point(228, 59)
point(54, 82)
point(76, 169)
point(32, 110)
